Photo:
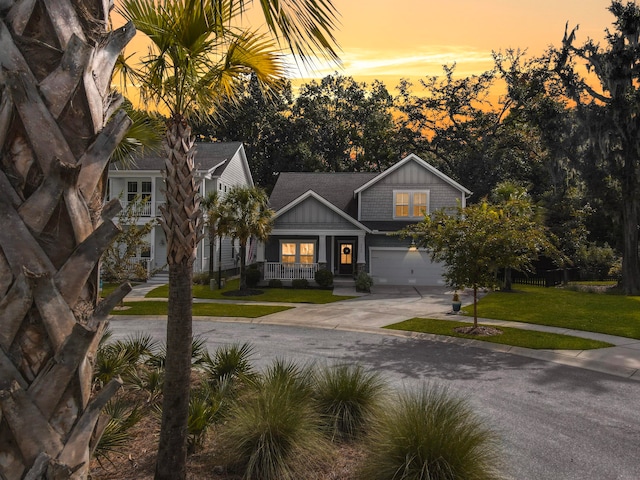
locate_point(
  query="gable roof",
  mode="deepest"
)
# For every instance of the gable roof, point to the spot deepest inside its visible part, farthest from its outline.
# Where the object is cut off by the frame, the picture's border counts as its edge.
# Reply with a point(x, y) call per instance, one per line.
point(326, 203)
point(413, 158)
point(335, 188)
point(210, 157)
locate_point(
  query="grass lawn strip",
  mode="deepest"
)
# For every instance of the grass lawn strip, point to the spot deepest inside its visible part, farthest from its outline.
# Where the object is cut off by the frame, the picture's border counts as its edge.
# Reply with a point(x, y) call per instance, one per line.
point(201, 309)
point(288, 295)
point(511, 336)
point(557, 307)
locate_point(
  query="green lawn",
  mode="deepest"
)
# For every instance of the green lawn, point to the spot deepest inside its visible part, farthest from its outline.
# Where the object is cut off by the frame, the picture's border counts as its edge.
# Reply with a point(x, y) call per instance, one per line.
point(109, 287)
point(202, 309)
point(288, 295)
point(593, 312)
point(510, 336)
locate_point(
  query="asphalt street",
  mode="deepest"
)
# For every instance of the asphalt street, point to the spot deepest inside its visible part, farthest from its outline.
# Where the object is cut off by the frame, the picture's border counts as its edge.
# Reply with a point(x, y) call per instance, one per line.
point(557, 422)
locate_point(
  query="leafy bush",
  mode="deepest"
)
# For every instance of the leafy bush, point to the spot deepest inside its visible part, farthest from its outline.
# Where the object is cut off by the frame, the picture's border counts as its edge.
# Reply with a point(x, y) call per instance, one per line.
point(300, 283)
point(253, 276)
point(430, 435)
point(274, 431)
point(324, 278)
point(275, 283)
point(595, 262)
point(364, 282)
point(348, 397)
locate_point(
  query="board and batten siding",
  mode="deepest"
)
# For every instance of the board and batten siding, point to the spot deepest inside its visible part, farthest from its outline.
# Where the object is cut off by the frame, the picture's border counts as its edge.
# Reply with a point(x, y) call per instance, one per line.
point(310, 213)
point(377, 200)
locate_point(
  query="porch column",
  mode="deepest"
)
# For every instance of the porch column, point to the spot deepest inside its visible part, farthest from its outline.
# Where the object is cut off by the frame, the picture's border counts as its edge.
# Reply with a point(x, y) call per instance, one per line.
point(260, 252)
point(322, 250)
point(361, 257)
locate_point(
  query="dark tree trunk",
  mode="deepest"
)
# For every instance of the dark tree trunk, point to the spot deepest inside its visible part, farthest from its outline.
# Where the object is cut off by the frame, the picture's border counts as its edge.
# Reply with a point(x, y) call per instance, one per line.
point(182, 223)
point(243, 264)
point(172, 454)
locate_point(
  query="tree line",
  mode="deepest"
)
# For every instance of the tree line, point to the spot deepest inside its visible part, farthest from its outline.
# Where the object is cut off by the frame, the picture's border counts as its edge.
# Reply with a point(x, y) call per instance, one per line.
point(570, 140)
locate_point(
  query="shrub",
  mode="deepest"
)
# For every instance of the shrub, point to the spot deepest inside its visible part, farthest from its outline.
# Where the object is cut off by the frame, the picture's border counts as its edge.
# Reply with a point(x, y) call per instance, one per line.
point(275, 283)
point(430, 435)
point(324, 278)
point(228, 362)
point(595, 261)
point(274, 431)
point(300, 283)
point(201, 278)
point(252, 276)
point(364, 282)
point(348, 397)
point(206, 407)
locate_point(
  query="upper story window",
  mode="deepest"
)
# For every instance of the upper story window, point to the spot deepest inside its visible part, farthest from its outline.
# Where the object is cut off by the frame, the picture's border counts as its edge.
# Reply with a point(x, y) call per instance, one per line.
point(410, 203)
point(297, 251)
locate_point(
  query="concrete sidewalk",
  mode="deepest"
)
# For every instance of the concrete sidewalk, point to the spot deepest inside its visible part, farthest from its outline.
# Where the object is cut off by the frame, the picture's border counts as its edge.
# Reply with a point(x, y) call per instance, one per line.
point(387, 305)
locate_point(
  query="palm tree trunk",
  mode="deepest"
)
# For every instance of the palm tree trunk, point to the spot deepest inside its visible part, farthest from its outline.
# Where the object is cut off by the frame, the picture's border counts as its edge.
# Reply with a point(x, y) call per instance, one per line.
point(56, 59)
point(182, 223)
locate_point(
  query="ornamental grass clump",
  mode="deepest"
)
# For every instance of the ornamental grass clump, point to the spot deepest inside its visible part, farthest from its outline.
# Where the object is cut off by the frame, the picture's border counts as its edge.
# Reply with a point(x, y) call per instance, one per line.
point(348, 398)
point(274, 431)
point(430, 434)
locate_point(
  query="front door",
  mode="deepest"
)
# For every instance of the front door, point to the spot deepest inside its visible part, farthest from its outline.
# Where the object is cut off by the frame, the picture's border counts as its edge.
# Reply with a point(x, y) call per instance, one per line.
point(345, 266)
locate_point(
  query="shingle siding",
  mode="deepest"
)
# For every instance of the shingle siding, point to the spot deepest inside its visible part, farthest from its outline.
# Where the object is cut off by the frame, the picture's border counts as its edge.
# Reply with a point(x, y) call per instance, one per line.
point(377, 200)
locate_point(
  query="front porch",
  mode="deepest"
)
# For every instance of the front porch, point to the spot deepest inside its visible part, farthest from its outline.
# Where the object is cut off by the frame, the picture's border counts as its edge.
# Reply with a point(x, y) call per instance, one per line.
point(290, 271)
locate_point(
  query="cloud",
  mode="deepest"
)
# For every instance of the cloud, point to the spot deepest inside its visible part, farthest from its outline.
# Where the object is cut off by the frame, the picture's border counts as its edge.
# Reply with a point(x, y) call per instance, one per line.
point(417, 63)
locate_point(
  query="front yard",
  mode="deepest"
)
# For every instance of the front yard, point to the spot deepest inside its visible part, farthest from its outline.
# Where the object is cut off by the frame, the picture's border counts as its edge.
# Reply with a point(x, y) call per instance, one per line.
point(560, 307)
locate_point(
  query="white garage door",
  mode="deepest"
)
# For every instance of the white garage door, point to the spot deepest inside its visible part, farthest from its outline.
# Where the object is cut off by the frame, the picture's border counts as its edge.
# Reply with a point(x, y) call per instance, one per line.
point(402, 267)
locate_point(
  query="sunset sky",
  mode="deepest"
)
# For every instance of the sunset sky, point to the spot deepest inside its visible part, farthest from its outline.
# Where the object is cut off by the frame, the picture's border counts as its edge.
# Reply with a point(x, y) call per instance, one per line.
point(389, 40)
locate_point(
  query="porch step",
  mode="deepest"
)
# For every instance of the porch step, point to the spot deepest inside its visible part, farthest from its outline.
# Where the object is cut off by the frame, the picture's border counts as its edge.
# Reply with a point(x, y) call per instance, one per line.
point(160, 278)
point(343, 281)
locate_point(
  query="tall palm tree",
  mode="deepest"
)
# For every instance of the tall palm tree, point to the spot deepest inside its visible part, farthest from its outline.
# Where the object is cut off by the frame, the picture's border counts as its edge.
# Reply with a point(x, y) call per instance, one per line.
point(246, 214)
point(57, 133)
point(196, 59)
point(212, 207)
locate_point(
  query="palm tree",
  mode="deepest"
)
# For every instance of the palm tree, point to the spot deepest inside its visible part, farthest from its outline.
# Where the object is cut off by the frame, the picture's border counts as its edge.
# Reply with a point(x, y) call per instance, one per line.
point(57, 132)
point(246, 214)
point(212, 206)
point(196, 59)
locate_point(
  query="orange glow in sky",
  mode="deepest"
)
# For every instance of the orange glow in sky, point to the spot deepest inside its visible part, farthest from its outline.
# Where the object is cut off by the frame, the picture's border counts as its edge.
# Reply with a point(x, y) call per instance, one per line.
point(389, 40)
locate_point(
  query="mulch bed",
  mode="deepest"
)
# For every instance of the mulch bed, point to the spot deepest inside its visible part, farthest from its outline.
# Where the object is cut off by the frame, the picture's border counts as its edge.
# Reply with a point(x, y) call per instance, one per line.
point(480, 331)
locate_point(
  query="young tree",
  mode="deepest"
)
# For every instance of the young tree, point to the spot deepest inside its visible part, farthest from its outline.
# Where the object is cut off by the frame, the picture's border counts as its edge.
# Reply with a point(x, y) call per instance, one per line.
point(610, 113)
point(476, 242)
point(246, 214)
point(116, 260)
point(212, 206)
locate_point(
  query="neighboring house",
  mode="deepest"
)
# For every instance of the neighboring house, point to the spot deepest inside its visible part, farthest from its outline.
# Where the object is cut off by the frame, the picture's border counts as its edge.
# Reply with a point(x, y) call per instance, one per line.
point(342, 222)
point(218, 166)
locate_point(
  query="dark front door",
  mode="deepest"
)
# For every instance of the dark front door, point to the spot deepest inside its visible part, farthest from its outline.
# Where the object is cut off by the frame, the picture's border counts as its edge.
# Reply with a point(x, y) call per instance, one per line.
point(345, 266)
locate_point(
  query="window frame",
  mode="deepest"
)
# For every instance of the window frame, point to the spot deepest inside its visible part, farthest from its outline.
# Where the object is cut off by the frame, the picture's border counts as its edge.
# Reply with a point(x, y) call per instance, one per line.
point(297, 244)
point(411, 203)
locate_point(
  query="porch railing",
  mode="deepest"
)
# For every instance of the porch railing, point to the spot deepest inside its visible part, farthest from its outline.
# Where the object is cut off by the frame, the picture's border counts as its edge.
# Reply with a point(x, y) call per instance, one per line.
point(290, 271)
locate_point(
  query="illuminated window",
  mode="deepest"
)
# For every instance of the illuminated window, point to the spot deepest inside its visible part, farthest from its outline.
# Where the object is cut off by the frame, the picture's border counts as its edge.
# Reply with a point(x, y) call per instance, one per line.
point(419, 204)
point(410, 204)
point(297, 252)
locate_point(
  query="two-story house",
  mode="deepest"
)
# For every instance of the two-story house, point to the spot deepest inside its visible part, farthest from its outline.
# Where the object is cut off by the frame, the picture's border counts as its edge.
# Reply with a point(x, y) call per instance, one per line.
point(218, 166)
point(342, 222)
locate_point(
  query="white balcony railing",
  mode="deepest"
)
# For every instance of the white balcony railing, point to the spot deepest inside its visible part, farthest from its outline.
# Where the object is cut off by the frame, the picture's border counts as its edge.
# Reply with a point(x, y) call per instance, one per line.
point(290, 271)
